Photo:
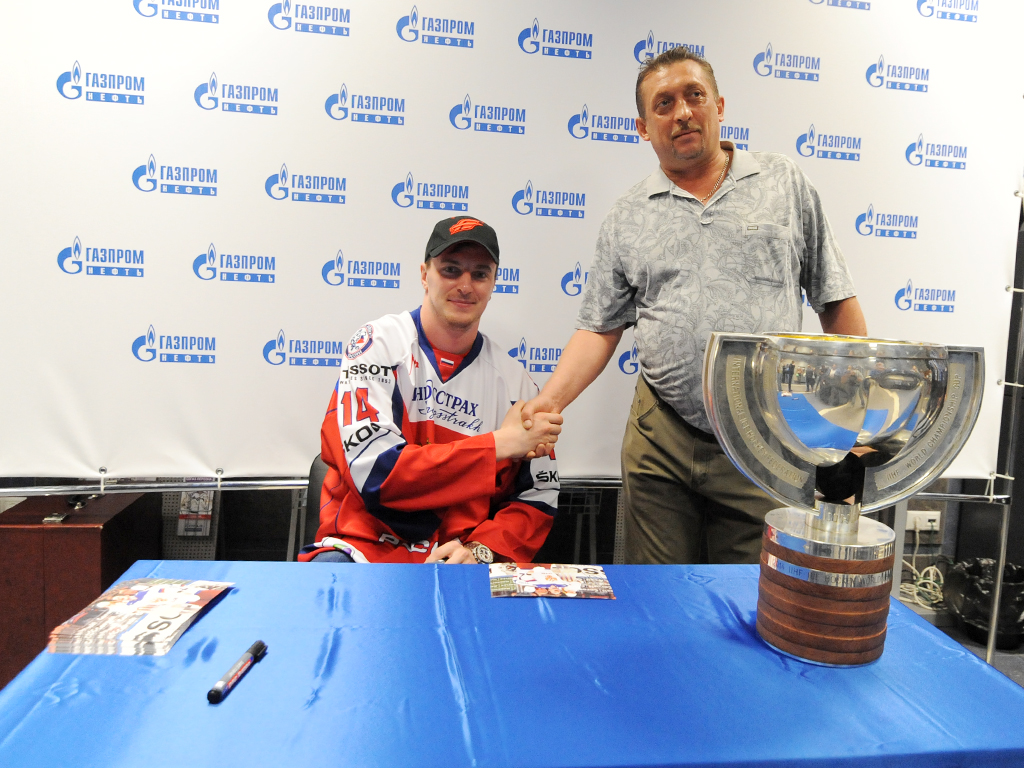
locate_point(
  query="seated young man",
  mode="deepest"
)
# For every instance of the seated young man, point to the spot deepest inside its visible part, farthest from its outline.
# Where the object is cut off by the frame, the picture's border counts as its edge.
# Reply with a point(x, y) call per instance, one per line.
point(424, 437)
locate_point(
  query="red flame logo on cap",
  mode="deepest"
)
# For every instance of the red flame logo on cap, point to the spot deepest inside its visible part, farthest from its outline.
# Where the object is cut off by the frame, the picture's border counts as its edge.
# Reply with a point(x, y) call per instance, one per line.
point(464, 225)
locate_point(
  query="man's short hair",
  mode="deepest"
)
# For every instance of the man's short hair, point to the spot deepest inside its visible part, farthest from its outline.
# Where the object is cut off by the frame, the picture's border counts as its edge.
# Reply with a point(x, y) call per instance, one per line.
point(665, 59)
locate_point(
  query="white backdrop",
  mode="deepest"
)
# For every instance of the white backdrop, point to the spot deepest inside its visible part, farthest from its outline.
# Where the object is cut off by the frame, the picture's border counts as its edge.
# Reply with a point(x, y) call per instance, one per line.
point(197, 169)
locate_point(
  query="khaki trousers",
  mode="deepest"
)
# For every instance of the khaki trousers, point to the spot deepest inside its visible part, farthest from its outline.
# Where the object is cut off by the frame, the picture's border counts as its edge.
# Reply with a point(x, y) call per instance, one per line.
point(685, 502)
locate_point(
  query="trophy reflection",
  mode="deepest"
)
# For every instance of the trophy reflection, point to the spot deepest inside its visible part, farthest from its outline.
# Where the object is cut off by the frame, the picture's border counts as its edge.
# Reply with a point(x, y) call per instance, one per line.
point(834, 426)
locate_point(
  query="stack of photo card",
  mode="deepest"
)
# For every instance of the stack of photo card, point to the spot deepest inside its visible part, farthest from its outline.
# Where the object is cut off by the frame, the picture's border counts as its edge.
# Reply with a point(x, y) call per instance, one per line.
point(549, 580)
point(140, 617)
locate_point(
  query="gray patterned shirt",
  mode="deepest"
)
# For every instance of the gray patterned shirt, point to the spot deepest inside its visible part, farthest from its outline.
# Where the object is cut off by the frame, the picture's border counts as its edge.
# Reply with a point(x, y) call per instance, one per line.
point(678, 270)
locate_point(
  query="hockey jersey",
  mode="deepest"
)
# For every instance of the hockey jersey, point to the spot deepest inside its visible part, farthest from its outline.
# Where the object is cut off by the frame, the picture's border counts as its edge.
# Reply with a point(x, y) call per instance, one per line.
point(411, 461)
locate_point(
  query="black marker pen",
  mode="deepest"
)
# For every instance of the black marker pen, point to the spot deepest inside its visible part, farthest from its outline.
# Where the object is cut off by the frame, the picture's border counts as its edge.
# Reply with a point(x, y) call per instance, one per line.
point(223, 686)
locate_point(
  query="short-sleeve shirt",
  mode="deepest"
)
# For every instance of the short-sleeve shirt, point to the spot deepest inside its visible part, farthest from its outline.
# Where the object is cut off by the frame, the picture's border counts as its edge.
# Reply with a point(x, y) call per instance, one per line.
point(678, 270)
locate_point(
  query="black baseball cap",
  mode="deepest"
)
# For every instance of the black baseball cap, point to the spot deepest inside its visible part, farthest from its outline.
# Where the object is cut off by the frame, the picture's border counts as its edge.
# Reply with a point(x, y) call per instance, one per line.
point(462, 229)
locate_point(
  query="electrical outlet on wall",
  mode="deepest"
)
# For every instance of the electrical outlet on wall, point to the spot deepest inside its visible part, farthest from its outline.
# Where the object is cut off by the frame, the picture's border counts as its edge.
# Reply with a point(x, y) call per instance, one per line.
point(923, 520)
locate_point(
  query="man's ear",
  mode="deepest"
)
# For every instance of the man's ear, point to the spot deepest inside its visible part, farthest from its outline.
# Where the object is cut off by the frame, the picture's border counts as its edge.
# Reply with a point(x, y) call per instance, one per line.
point(423, 274)
point(641, 128)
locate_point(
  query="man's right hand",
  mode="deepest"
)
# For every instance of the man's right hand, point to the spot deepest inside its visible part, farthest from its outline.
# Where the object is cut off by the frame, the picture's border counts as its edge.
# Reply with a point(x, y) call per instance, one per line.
point(514, 440)
point(539, 406)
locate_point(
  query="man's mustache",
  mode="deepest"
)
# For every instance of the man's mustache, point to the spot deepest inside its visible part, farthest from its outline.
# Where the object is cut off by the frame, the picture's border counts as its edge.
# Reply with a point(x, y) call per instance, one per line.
point(685, 129)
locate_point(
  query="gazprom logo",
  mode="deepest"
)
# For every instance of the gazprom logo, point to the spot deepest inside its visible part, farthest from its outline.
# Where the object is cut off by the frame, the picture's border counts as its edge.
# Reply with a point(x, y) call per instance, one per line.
point(174, 349)
point(102, 262)
point(787, 66)
point(507, 280)
point(629, 362)
point(899, 225)
point(925, 299)
point(434, 196)
point(333, 272)
point(175, 179)
point(618, 130)
point(312, 353)
point(562, 43)
point(435, 30)
point(949, 10)
point(897, 77)
point(111, 87)
point(951, 156)
point(828, 146)
point(574, 280)
point(547, 202)
point(318, 19)
point(490, 119)
point(362, 274)
point(536, 359)
point(738, 135)
point(195, 10)
point(305, 188)
point(366, 108)
point(236, 97)
point(649, 47)
point(857, 5)
point(234, 267)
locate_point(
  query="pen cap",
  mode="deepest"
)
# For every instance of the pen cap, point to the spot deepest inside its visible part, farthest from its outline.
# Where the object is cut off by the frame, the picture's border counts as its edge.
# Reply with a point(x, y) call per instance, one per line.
point(258, 650)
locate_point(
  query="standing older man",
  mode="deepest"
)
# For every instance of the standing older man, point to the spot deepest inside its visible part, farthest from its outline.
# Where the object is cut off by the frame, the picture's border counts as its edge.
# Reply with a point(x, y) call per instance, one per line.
point(715, 239)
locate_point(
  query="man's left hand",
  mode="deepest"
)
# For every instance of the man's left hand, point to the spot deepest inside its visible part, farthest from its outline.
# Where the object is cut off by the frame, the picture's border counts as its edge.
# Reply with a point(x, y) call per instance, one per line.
point(452, 552)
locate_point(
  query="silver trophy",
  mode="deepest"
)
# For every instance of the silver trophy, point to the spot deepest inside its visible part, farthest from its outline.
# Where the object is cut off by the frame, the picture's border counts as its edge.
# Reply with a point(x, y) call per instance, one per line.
point(832, 427)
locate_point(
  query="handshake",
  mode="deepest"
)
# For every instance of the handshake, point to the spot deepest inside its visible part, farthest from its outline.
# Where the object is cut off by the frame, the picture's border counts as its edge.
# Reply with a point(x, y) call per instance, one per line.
point(527, 431)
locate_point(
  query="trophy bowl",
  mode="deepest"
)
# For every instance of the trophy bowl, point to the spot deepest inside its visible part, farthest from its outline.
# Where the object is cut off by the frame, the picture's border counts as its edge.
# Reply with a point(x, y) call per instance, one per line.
point(834, 426)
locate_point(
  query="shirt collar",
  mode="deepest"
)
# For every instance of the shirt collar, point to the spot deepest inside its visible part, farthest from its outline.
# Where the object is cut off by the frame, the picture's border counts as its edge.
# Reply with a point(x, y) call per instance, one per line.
point(743, 164)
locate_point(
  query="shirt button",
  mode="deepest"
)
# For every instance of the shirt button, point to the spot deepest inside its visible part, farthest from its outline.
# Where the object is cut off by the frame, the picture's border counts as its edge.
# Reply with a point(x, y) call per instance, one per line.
point(707, 219)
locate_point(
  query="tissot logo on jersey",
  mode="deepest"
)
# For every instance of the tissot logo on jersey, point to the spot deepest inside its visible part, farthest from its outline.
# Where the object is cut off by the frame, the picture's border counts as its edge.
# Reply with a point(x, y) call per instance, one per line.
point(949, 10)
point(558, 204)
point(312, 353)
point(925, 299)
point(305, 188)
point(174, 349)
point(536, 359)
point(433, 403)
point(574, 280)
point(933, 155)
point(897, 77)
point(828, 146)
point(435, 30)
point(740, 137)
point(613, 128)
point(433, 195)
point(375, 109)
point(629, 361)
point(857, 5)
point(175, 179)
point(102, 87)
point(650, 47)
point(203, 11)
point(563, 43)
point(247, 99)
point(318, 19)
point(234, 267)
point(101, 262)
point(787, 66)
point(507, 280)
point(490, 119)
point(884, 224)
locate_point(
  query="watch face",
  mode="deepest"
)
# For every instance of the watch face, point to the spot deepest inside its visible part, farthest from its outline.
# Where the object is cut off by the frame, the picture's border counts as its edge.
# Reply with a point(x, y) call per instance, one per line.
point(483, 554)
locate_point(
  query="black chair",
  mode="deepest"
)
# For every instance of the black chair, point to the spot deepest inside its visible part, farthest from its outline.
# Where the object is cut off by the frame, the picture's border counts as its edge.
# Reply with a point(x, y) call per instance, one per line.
point(317, 473)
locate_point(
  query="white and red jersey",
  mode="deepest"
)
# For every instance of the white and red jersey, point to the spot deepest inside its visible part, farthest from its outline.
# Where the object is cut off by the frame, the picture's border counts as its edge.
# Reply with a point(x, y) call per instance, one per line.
point(411, 459)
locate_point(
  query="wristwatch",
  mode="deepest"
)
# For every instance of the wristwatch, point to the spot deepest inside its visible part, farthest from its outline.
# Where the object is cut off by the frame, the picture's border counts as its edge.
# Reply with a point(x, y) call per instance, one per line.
point(481, 552)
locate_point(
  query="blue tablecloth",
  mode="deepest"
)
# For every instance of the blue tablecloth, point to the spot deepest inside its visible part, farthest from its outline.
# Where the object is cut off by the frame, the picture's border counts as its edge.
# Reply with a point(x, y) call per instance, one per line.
point(403, 665)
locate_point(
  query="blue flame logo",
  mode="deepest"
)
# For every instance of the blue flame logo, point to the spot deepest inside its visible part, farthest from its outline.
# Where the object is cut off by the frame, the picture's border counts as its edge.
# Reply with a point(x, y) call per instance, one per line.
point(865, 222)
point(522, 201)
point(876, 73)
point(904, 297)
point(72, 254)
point(408, 26)
point(72, 76)
point(206, 94)
point(138, 8)
point(401, 193)
point(805, 143)
point(460, 114)
point(144, 347)
point(644, 49)
point(529, 38)
point(333, 271)
point(280, 15)
point(276, 186)
point(273, 350)
point(579, 124)
point(763, 62)
point(628, 362)
point(925, 7)
point(149, 172)
point(205, 264)
point(519, 353)
point(337, 104)
point(915, 151)
point(573, 282)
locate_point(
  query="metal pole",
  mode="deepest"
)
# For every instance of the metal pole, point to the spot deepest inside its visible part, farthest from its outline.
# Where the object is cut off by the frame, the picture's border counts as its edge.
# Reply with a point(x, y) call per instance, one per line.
point(997, 590)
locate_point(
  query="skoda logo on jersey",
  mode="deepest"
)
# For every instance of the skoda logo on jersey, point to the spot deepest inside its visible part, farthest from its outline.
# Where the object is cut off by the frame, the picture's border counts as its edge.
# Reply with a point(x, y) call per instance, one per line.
point(787, 66)
point(556, 42)
point(628, 363)
point(536, 359)
point(246, 99)
point(174, 349)
point(574, 280)
point(103, 262)
point(953, 156)
point(333, 272)
point(618, 130)
point(857, 5)
point(649, 48)
point(318, 19)
point(373, 109)
point(110, 87)
point(196, 10)
point(925, 299)
point(740, 137)
point(897, 77)
point(949, 10)
point(546, 202)
point(175, 179)
point(434, 30)
point(305, 188)
point(430, 196)
point(311, 353)
point(899, 225)
point(506, 280)
point(827, 146)
point(508, 120)
point(234, 267)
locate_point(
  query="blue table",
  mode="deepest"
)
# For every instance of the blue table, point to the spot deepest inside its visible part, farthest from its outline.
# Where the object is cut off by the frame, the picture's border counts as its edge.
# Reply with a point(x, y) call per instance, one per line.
point(417, 665)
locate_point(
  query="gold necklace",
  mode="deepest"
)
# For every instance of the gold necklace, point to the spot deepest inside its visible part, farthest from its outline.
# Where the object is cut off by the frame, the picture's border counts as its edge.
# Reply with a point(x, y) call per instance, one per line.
point(728, 162)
